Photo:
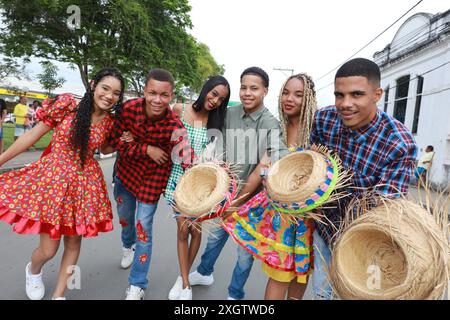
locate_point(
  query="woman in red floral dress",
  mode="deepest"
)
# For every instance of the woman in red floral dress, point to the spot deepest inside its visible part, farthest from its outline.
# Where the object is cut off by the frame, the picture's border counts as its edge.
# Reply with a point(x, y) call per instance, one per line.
point(64, 192)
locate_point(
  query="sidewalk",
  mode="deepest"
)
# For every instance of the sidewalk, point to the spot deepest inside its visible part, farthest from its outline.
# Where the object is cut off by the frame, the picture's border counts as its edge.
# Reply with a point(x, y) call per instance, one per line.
point(28, 157)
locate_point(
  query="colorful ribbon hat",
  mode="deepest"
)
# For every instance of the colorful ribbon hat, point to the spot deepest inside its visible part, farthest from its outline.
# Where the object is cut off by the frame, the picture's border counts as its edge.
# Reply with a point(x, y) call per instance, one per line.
point(303, 181)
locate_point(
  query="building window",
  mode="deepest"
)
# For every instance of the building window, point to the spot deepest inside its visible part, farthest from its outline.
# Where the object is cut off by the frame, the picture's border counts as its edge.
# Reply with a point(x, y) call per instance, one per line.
point(386, 99)
point(418, 102)
point(401, 98)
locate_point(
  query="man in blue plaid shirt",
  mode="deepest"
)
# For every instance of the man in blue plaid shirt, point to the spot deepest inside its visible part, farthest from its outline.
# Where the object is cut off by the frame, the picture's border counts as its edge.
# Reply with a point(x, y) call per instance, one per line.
point(378, 150)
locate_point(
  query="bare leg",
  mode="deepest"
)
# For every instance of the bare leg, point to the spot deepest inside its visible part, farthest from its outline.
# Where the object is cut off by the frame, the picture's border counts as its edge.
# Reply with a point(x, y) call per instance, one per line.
point(72, 247)
point(182, 248)
point(296, 290)
point(194, 245)
point(1, 146)
point(276, 290)
point(46, 251)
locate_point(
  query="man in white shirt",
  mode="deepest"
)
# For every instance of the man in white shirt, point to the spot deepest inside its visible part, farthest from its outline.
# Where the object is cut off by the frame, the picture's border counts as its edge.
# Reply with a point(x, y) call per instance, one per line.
point(424, 164)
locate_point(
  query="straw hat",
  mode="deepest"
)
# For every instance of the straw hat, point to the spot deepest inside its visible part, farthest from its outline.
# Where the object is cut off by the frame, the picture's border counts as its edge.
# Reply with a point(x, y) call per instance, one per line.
point(204, 190)
point(301, 181)
point(394, 251)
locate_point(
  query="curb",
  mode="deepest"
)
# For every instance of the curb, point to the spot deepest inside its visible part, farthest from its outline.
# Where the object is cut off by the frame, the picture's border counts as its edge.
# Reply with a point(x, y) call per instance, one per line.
point(98, 157)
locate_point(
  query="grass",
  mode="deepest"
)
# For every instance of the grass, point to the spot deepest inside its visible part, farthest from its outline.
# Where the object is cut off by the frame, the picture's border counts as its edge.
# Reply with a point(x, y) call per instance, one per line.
point(8, 137)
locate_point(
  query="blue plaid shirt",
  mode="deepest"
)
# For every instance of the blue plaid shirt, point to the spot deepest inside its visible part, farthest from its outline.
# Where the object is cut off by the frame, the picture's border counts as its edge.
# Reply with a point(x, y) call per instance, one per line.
point(381, 156)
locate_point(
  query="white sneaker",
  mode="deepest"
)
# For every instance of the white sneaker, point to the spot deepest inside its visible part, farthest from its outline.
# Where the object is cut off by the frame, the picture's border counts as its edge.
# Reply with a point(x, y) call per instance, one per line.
point(175, 292)
point(186, 294)
point(196, 278)
point(231, 298)
point(127, 257)
point(135, 293)
point(59, 298)
point(33, 284)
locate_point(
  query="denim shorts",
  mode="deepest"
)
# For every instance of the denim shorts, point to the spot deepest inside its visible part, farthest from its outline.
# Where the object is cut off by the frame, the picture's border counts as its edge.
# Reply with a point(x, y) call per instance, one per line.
point(20, 130)
point(1, 133)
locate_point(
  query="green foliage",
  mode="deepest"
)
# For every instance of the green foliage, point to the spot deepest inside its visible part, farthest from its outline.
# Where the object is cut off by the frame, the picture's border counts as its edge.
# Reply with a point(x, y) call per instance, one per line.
point(10, 67)
point(131, 35)
point(206, 67)
point(49, 79)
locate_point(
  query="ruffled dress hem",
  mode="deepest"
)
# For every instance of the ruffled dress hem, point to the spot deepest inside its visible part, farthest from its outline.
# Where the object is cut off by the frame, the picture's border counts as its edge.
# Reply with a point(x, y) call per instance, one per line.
point(23, 225)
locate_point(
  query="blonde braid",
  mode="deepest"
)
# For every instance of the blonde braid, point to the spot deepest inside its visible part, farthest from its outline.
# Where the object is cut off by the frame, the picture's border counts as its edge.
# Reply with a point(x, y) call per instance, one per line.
point(307, 110)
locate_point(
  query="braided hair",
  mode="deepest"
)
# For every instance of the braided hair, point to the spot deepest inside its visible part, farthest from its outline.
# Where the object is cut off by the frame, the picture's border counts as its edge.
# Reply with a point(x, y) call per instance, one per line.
point(307, 110)
point(82, 123)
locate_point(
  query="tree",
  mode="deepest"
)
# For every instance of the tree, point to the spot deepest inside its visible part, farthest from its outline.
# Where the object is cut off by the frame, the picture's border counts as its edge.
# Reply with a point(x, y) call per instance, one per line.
point(12, 68)
point(49, 77)
point(206, 67)
point(132, 35)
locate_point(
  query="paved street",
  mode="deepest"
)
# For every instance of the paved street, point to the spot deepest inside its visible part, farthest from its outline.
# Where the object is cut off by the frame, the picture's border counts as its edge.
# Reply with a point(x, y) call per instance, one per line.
point(101, 275)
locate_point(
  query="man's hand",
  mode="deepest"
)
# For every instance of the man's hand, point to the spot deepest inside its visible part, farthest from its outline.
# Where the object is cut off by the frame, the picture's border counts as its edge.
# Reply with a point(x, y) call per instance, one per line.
point(158, 155)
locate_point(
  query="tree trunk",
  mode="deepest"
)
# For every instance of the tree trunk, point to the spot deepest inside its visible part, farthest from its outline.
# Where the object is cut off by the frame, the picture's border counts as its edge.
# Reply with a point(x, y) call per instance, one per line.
point(83, 75)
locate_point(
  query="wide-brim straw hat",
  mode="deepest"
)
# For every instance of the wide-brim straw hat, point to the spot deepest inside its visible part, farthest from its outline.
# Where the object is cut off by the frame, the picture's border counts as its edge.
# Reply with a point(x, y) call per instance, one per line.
point(394, 251)
point(302, 181)
point(204, 191)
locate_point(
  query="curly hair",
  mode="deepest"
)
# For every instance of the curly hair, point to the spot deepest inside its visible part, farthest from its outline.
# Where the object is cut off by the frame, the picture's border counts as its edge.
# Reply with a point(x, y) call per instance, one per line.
point(83, 119)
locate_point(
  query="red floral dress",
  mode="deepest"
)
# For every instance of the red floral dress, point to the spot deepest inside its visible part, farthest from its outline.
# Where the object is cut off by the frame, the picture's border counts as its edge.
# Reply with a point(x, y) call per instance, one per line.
point(55, 195)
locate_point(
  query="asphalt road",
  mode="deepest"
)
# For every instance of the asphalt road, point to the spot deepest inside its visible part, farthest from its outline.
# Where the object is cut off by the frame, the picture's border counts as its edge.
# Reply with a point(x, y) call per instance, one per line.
point(99, 263)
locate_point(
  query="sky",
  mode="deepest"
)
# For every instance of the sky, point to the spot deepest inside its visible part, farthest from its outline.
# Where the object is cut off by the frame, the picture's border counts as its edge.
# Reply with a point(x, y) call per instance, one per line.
point(307, 36)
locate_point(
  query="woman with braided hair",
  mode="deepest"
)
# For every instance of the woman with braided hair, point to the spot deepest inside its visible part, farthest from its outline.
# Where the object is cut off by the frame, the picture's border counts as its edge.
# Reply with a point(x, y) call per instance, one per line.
point(284, 246)
point(64, 192)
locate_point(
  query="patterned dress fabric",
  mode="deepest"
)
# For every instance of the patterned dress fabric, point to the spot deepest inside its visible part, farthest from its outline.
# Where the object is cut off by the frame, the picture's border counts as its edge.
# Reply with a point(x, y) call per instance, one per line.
point(198, 140)
point(283, 244)
point(55, 195)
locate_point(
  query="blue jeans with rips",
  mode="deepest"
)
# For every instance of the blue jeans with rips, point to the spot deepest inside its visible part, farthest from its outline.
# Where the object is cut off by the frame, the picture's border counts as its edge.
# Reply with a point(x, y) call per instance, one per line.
point(136, 219)
point(216, 241)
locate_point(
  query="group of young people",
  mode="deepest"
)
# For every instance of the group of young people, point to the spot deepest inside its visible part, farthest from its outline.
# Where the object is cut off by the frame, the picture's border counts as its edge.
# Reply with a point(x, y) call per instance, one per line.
point(66, 195)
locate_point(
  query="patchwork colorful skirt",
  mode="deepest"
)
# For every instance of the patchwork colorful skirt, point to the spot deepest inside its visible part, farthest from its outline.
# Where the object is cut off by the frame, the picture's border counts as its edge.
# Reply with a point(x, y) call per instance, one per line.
point(283, 243)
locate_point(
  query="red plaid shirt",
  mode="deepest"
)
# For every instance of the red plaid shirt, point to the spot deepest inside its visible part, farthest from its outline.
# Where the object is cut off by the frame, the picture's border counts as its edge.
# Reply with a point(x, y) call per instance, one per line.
point(140, 175)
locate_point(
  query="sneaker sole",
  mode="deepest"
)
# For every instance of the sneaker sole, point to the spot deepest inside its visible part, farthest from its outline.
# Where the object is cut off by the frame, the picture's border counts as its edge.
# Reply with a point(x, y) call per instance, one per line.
point(43, 292)
point(201, 283)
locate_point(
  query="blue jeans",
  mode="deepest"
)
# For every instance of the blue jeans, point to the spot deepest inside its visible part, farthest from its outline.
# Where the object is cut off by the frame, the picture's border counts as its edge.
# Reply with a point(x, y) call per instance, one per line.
point(322, 259)
point(136, 219)
point(216, 241)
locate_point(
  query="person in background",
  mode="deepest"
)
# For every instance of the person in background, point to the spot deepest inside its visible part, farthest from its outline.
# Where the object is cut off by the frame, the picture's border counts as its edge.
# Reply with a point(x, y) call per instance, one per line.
point(20, 112)
point(3, 113)
point(424, 165)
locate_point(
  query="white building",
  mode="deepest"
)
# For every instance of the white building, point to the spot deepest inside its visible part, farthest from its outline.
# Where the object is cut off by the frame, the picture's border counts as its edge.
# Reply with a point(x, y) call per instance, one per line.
point(415, 74)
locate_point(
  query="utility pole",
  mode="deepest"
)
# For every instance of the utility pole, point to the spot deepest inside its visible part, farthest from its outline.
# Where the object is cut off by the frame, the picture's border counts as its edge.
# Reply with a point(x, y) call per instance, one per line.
point(285, 69)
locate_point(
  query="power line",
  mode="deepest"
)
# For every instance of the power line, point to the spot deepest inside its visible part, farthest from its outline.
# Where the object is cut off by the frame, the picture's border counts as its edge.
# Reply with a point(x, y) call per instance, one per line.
point(365, 46)
point(411, 79)
point(430, 93)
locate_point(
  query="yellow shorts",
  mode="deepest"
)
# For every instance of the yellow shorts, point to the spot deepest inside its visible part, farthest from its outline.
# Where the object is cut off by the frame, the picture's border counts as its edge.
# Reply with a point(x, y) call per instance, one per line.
point(284, 276)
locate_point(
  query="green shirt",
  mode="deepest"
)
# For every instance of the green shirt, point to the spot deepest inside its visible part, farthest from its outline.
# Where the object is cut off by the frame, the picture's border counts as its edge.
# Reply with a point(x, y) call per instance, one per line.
point(248, 136)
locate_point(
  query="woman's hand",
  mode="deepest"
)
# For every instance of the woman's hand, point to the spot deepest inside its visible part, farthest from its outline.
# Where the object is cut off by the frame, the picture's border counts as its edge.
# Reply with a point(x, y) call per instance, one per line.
point(127, 136)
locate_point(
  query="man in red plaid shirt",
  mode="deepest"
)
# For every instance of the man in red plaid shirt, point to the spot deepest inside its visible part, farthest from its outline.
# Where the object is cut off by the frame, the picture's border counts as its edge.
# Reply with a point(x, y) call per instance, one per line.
point(143, 168)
